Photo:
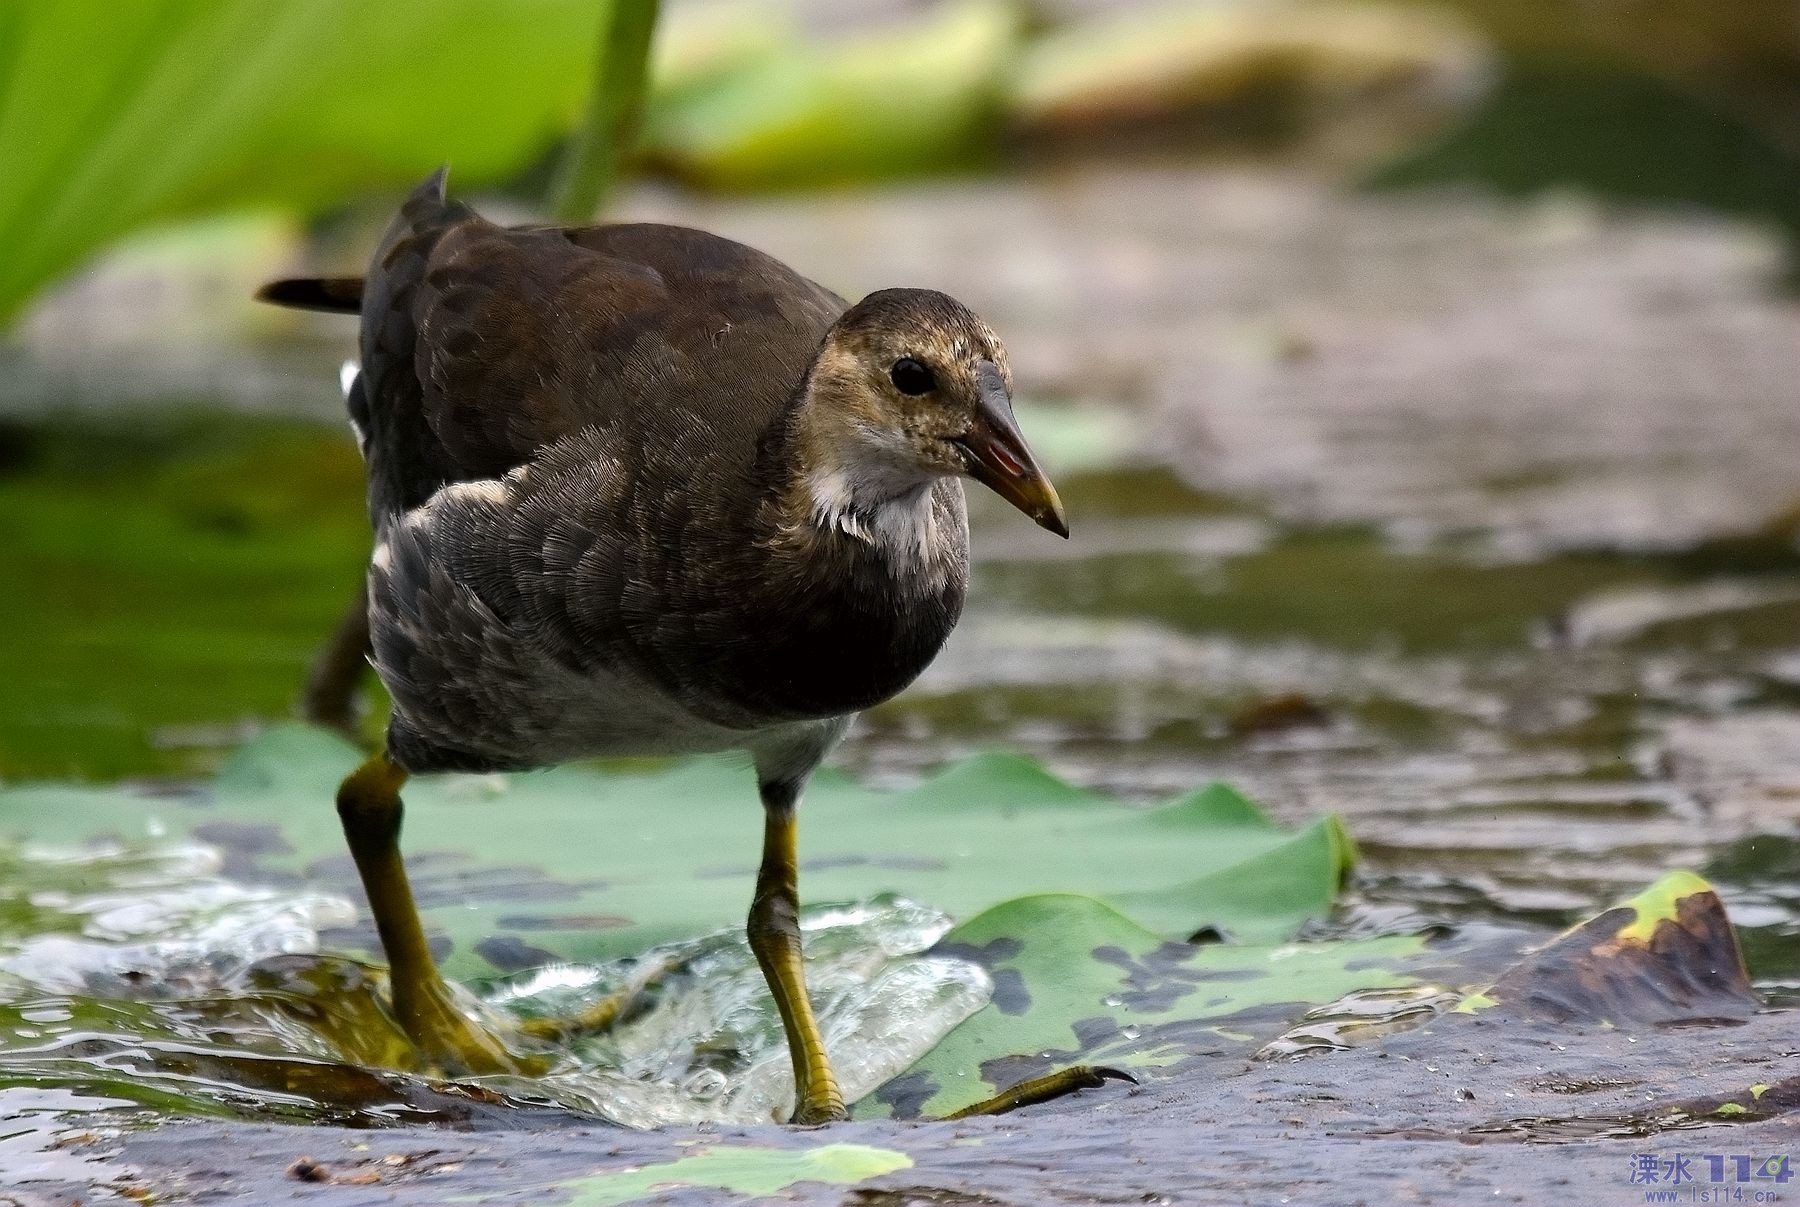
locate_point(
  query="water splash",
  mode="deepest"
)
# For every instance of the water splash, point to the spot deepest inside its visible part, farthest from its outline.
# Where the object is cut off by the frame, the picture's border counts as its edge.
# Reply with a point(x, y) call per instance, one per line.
point(138, 977)
point(704, 1042)
point(115, 921)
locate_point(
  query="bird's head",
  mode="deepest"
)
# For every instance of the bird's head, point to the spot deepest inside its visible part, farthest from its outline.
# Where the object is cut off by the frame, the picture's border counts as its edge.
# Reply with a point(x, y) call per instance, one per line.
point(910, 386)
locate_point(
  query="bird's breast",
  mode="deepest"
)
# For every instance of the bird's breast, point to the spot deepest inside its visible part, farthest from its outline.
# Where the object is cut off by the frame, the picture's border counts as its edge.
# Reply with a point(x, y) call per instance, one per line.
point(837, 651)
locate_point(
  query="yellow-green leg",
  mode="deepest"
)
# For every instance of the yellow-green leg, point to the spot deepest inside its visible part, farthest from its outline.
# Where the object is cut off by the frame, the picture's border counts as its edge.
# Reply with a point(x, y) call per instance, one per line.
point(774, 931)
point(368, 803)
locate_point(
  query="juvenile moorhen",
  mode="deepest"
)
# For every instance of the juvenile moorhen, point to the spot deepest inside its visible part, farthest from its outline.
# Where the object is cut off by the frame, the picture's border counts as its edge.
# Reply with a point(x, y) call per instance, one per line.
point(638, 489)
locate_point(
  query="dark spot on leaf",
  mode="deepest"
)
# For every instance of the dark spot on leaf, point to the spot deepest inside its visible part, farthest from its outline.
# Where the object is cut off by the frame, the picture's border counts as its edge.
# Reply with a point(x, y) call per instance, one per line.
point(1011, 997)
point(509, 953)
point(1162, 978)
point(1169, 955)
point(1010, 994)
point(986, 954)
point(1208, 934)
point(908, 1093)
point(1090, 1033)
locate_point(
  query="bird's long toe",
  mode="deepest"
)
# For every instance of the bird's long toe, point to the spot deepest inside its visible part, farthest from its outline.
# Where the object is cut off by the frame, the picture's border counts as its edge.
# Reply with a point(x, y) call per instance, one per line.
point(1045, 1089)
point(448, 1040)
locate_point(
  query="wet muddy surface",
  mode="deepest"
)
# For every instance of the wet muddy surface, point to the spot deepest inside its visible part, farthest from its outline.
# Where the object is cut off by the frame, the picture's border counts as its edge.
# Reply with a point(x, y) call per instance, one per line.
point(1475, 1115)
point(1475, 524)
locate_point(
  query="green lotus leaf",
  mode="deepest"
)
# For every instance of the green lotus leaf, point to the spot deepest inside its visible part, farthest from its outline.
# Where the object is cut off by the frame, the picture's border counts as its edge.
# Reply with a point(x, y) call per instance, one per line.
point(921, 98)
point(1077, 982)
point(742, 1169)
point(583, 864)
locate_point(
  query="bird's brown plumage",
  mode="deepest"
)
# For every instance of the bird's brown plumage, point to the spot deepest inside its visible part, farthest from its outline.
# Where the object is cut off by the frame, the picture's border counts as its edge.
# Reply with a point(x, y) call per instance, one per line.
point(483, 344)
point(643, 490)
point(587, 475)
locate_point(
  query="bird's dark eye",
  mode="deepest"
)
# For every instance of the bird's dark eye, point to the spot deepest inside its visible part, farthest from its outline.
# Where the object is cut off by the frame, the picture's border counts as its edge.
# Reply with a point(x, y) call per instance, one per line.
point(911, 377)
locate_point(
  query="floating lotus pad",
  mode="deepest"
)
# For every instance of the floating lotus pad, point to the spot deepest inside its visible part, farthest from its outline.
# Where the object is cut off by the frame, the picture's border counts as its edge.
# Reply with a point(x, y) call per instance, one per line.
point(580, 864)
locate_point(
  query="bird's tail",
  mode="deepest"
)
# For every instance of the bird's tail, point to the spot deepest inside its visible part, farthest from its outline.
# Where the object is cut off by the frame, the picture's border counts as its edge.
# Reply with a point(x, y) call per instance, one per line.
point(341, 295)
point(426, 209)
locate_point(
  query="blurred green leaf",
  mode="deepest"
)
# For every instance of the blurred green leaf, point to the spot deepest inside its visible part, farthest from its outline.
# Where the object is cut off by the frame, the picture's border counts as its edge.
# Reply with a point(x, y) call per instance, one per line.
point(164, 579)
point(751, 112)
point(1155, 63)
point(181, 106)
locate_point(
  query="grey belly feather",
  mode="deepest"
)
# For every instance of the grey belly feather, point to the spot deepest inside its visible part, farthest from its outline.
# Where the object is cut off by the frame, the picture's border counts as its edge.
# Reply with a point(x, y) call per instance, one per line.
point(475, 691)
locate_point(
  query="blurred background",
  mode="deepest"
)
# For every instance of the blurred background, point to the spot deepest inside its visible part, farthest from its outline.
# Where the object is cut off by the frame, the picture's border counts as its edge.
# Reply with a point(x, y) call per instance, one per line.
point(1420, 378)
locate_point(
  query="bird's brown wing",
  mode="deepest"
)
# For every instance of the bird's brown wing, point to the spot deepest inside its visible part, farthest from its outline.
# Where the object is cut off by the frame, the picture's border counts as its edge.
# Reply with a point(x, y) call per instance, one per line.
point(482, 345)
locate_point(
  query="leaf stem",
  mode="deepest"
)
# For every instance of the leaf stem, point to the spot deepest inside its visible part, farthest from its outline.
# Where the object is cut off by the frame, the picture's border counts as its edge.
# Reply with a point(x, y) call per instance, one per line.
point(609, 128)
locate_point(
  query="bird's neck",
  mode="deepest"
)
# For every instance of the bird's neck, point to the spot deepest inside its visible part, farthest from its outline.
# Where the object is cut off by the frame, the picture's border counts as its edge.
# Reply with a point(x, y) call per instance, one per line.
point(851, 579)
point(845, 498)
point(897, 519)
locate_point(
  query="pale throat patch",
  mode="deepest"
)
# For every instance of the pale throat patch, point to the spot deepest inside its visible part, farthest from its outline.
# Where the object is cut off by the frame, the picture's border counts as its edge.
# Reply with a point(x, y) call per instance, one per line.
point(865, 508)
